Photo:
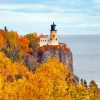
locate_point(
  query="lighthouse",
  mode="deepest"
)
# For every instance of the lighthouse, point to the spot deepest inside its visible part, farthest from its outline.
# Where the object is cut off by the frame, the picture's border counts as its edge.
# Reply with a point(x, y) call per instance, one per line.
point(52, 39)
point(53, 35)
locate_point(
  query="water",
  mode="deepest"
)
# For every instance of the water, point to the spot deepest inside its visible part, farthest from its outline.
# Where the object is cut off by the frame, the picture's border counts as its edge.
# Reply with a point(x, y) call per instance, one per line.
point(86, 55)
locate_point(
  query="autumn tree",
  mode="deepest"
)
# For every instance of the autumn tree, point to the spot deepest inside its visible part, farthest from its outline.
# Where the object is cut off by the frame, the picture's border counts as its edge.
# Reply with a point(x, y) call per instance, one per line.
point(94, 91)
point(50, 81)
point(2, 38)
point(23, 44)
point(47, 83)
point(33, 39)
point(12, 38)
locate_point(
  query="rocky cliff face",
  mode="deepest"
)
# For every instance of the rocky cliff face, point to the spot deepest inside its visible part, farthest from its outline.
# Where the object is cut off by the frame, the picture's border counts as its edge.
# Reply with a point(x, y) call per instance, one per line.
point(63, 56)
point(61, 52)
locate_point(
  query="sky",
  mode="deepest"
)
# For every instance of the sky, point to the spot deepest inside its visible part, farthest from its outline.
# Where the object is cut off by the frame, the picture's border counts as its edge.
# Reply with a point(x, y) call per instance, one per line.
point(72, 17)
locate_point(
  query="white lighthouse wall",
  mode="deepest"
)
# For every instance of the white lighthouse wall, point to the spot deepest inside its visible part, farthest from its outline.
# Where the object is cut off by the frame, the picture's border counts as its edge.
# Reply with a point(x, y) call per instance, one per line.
point(53, 42)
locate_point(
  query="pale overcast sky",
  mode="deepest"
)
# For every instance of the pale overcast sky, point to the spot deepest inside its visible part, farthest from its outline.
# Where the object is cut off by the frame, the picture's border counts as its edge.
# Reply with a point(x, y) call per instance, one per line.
point(71, 16)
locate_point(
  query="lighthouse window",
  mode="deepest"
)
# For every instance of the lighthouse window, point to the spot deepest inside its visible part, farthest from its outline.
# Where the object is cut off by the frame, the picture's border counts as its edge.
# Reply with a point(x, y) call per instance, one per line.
point(53, 36)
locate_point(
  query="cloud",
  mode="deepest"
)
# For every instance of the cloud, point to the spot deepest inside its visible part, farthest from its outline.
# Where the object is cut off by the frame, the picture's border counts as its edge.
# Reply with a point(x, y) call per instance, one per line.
point(17, 17)
point(33, 8)
point(19, 1)
point(71, 16)
point(27, 13)
point(21, 6)
point(96, 1)
point(41, 8)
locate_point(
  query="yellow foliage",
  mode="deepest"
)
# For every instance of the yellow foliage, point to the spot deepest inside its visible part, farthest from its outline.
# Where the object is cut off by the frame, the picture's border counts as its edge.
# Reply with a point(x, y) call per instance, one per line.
point(12, 37)
point(49, 82)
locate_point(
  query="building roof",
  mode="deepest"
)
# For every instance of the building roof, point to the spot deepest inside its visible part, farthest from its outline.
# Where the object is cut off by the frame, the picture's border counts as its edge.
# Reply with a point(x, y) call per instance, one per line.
point(53, 27)
point(43, 36)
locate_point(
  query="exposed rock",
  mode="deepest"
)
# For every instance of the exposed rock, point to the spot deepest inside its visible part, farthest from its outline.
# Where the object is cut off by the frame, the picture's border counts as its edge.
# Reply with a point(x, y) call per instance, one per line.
point(62, 53)
point(63, 56)
point(31, 62)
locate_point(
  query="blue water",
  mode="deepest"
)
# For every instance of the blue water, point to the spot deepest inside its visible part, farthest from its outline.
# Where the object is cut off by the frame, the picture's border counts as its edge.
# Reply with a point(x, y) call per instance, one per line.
point(86, 55)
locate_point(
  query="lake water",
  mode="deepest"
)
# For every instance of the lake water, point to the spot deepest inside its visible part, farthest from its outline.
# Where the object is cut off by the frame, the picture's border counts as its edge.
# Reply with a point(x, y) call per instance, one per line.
point(86, 55)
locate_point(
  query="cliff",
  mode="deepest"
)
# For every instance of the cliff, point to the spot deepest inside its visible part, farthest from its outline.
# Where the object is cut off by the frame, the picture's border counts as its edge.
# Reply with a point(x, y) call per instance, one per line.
point(61, 52)
point(61, 55)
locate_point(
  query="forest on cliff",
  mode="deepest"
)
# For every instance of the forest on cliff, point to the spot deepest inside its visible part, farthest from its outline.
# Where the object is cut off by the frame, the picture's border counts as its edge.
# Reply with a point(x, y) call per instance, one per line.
point(26, 77)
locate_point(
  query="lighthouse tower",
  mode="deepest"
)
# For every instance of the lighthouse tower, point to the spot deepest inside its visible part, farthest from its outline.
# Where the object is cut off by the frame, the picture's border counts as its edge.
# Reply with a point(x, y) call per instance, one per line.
point(53, 35)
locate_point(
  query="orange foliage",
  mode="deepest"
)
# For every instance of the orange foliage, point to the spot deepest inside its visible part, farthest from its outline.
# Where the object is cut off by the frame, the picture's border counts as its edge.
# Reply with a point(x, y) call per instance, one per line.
point(2, 38)
point(1, 41)
point(57, 47)
point(23, 44)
